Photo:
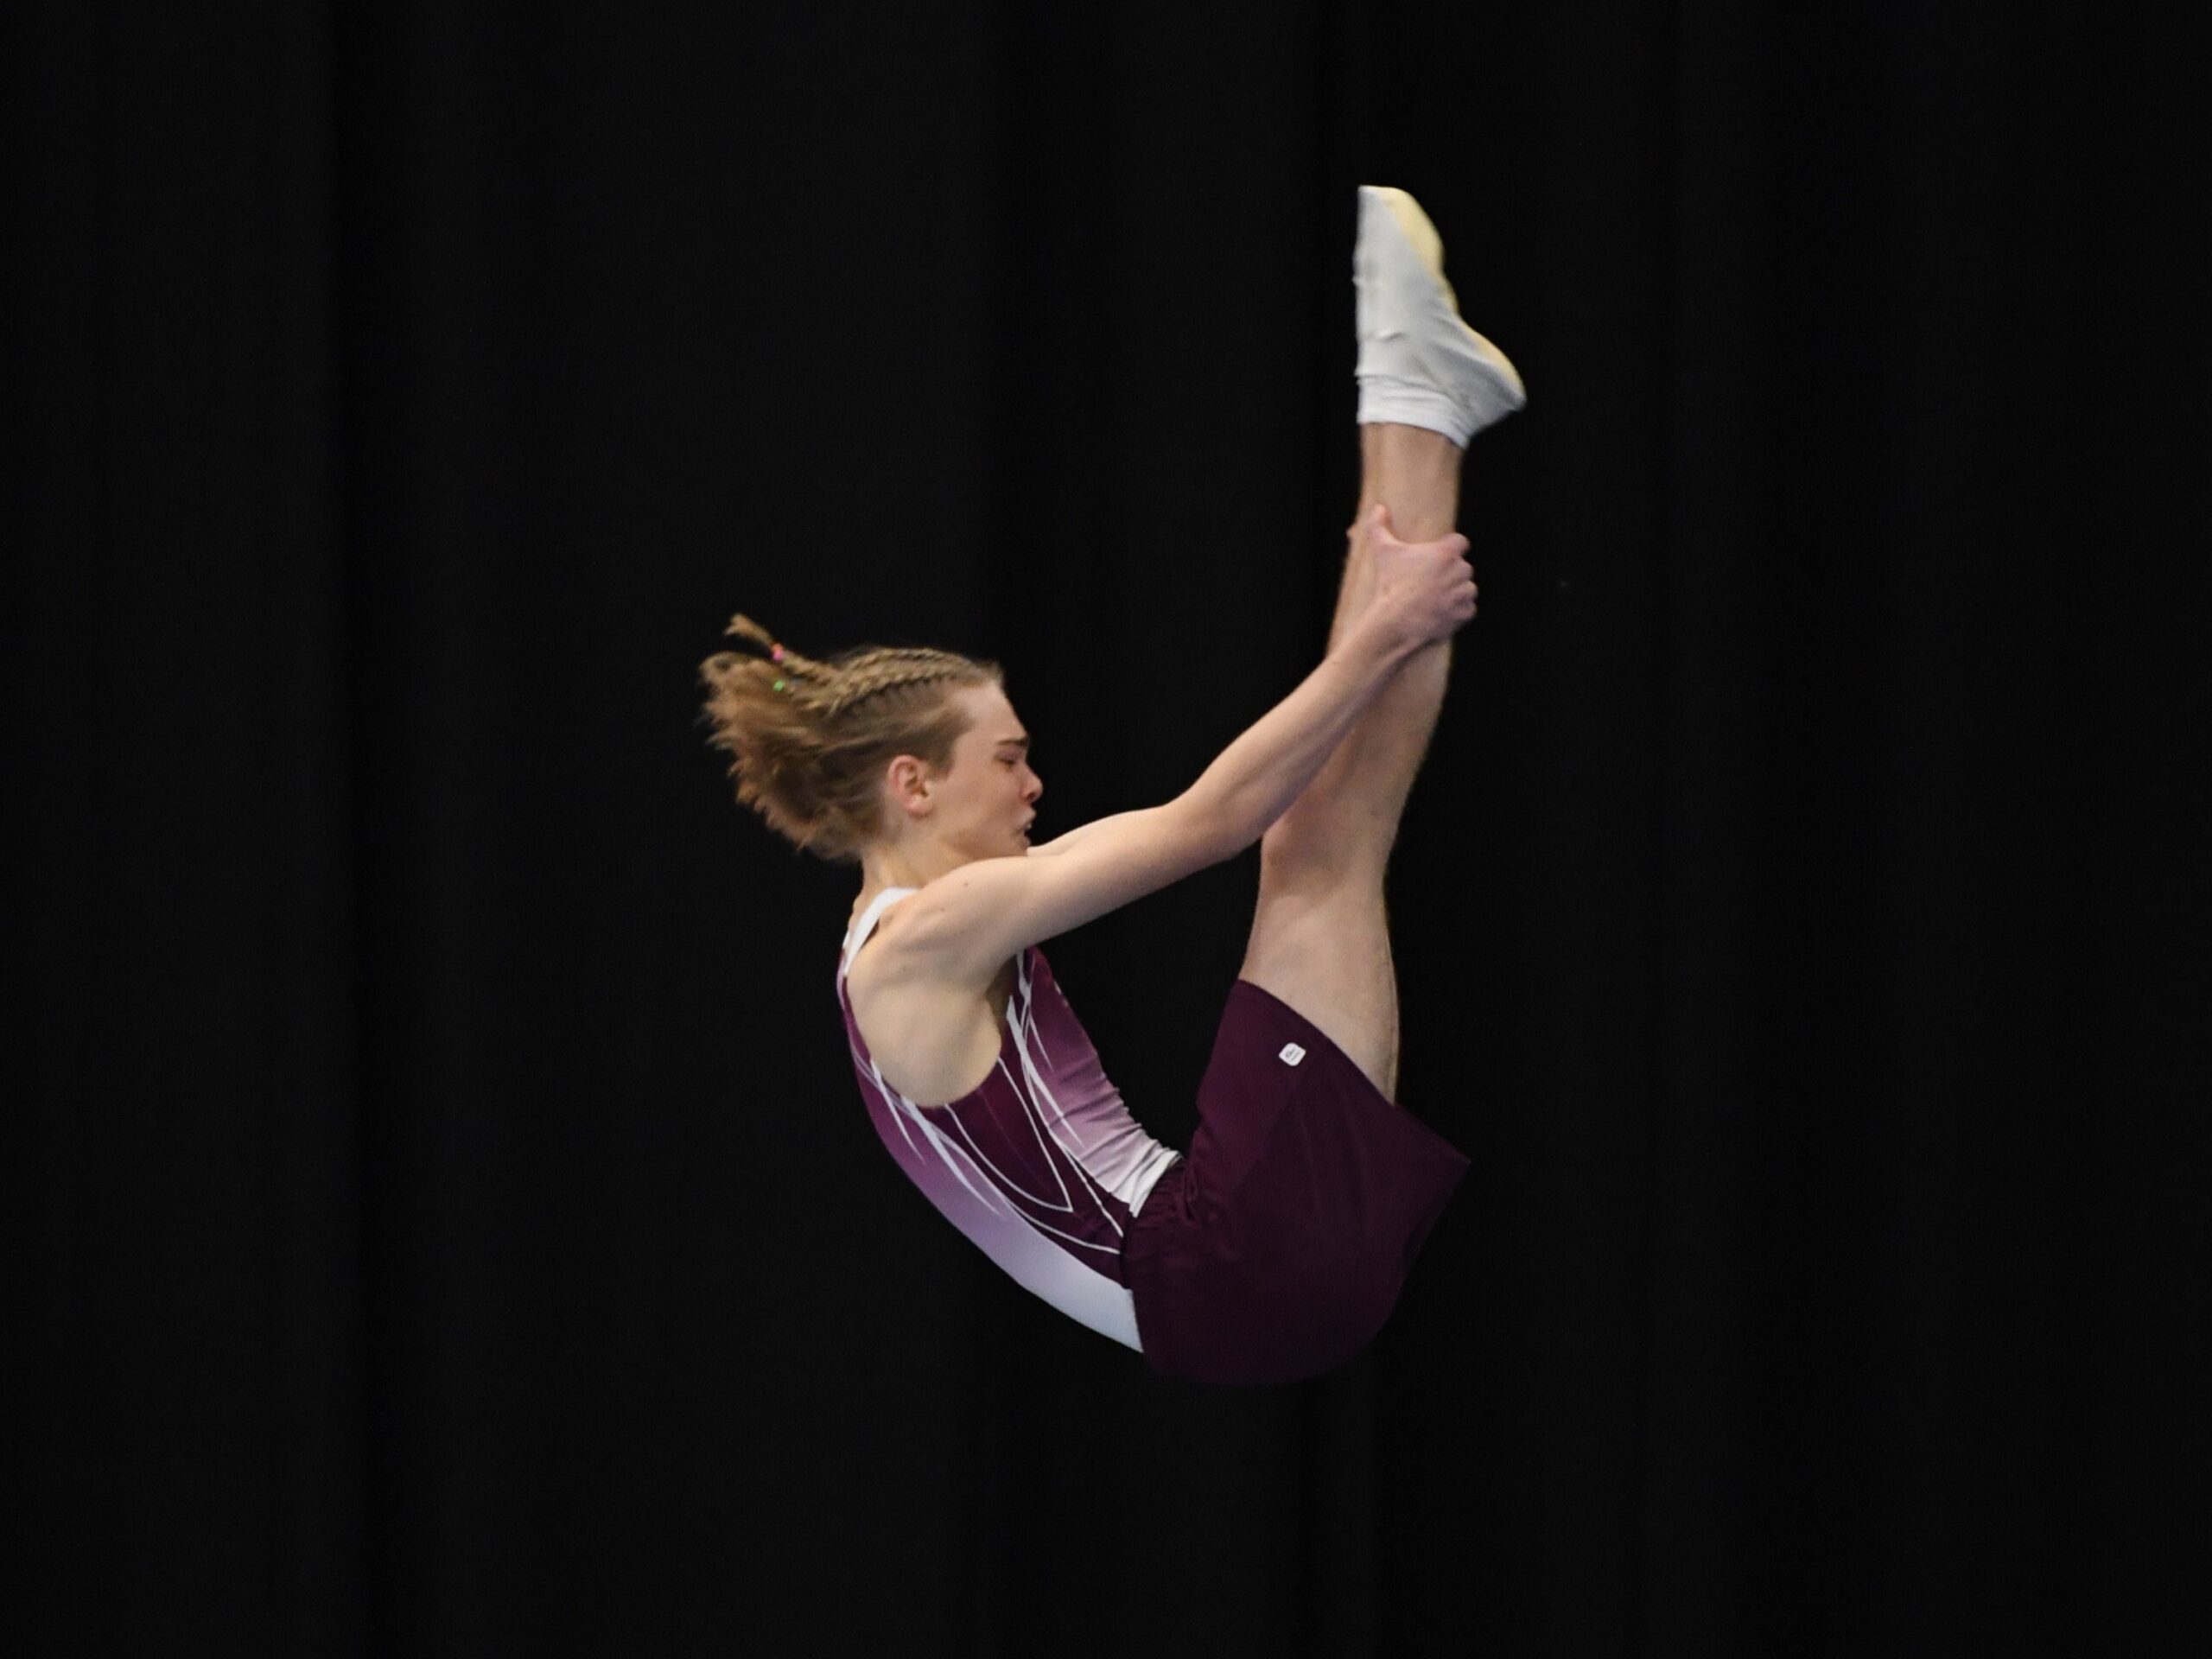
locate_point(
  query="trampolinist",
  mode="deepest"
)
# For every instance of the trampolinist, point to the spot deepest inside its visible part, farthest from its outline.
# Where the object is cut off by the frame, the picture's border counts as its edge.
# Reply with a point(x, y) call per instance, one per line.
point(1274, 1248)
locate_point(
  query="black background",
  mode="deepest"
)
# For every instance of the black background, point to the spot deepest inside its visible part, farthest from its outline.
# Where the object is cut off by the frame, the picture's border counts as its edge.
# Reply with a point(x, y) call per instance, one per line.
point(451, 1227)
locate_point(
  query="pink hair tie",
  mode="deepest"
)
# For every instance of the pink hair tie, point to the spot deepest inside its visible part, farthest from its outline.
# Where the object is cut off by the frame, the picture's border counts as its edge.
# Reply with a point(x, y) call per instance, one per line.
point(776, 654)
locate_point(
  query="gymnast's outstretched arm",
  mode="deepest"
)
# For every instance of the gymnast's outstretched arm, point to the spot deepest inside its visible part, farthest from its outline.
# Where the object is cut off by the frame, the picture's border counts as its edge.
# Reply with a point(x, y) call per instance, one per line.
point(968, 923)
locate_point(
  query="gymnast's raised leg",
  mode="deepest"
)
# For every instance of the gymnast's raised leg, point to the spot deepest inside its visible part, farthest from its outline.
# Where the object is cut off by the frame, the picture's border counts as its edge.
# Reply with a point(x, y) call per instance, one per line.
point(1320, 936)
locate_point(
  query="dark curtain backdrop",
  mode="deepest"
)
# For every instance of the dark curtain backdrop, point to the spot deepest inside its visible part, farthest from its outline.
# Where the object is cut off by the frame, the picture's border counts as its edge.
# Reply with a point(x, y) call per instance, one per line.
point(451, 1226)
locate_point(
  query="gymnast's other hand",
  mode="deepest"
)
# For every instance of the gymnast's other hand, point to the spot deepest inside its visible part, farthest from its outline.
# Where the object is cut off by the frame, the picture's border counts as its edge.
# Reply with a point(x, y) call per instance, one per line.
point(1418, 592)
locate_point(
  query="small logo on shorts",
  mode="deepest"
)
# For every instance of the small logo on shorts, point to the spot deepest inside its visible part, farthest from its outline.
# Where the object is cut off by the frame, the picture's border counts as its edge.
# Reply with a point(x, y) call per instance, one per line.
point(1292, 1054)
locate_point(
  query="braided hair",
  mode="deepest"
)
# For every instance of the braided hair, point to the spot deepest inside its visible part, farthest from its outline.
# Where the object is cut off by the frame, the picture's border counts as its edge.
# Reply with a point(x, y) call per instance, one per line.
point(809, 740)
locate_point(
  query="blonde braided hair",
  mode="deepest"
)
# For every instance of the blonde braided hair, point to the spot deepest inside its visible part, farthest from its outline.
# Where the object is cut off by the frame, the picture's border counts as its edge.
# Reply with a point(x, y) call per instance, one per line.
point(809, 740)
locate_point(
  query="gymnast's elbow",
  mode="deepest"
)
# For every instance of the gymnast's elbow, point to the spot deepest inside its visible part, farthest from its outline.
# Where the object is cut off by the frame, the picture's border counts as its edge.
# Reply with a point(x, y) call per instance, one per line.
point(1212, 827)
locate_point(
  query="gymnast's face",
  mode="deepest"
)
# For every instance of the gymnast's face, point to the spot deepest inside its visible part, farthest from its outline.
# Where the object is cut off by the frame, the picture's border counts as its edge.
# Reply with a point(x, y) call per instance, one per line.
point(982, 804)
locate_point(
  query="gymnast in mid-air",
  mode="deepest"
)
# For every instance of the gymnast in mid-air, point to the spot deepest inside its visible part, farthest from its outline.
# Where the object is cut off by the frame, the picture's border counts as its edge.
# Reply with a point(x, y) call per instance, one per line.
point(1274, 1249)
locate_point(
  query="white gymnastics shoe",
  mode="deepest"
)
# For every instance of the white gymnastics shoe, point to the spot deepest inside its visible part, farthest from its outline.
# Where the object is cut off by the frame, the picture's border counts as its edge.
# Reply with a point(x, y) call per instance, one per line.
point(1419, 364)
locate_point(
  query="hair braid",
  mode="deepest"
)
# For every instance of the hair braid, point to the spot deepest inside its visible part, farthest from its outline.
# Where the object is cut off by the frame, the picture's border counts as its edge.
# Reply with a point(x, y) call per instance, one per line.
point(891, 669)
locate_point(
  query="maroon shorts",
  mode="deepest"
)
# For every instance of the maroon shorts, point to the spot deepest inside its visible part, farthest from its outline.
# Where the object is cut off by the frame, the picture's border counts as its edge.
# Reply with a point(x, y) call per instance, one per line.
point(1276, 1247)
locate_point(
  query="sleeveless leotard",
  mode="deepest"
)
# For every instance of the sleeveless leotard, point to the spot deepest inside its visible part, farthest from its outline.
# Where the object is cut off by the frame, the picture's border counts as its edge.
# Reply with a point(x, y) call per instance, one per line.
point(1041, 1166)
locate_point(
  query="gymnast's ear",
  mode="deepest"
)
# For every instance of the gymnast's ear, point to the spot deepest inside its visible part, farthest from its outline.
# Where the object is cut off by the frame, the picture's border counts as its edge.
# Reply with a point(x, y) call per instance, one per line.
point(906, 781)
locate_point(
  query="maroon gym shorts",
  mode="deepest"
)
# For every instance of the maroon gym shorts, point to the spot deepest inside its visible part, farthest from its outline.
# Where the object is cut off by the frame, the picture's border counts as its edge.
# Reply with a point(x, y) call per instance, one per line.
point(1276, 1247)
